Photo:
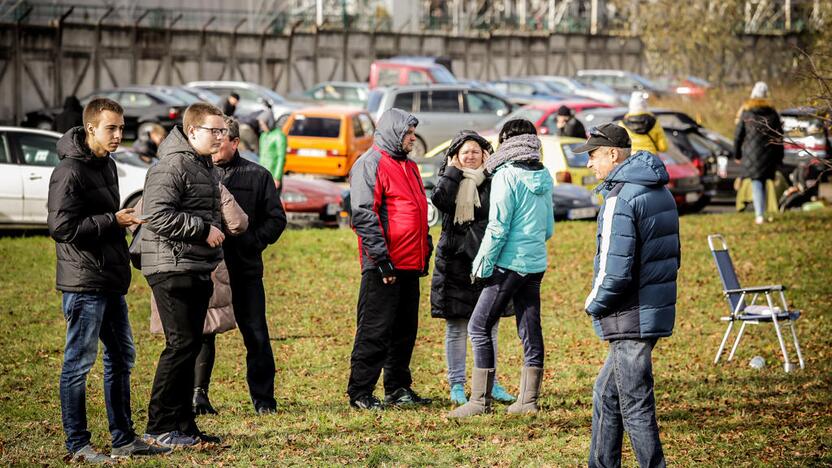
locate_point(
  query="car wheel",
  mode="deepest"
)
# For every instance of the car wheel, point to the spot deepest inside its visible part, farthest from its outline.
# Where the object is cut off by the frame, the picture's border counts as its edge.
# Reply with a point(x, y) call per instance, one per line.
point(419, 150)
point(132, 201)
point(433, 214)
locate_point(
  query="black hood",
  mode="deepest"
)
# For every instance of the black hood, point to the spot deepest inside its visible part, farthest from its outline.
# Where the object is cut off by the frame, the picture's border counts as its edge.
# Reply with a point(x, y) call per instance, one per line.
point(459, 140)
point(74, 145)
point(640, 123)
point(71, 103)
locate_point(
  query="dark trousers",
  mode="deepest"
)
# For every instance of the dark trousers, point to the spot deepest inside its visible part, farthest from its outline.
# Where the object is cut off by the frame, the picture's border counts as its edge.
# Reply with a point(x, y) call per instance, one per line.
point(205, 361)
point(183, 303)
point(523, 291)
point(249, 300)
point(388, 318)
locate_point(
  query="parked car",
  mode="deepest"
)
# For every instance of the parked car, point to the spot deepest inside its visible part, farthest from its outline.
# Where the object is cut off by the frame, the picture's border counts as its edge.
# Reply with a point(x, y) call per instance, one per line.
point(339, 92)
point(27, 158)
point(692, 87)
point(327, 140)
point(806, 135)
point(143, 105)
point(565, 85)
point(204, 95)
point(544, 115)
point(522, 91)
point(445, 61)
point(709, 152)
point(407, 72)
point(312, 201)
point(253, 97)
point(442, 110)
point(573, 202)
point(622, 81)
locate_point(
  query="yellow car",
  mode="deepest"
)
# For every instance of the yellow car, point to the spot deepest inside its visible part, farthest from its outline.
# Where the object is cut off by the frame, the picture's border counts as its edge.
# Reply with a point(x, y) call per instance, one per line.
point(564, 165)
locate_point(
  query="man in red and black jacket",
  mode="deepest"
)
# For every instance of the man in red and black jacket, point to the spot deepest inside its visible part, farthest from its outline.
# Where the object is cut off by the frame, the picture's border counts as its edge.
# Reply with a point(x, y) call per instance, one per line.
point(389, 216)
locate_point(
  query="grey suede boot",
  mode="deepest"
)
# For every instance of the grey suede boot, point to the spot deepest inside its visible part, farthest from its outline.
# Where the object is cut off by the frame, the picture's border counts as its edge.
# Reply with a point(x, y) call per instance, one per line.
point(530, 379)
point(482, 380)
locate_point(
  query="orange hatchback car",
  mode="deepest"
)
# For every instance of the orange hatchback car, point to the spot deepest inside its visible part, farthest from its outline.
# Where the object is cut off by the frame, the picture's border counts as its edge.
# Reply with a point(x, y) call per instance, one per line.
point(326, 140)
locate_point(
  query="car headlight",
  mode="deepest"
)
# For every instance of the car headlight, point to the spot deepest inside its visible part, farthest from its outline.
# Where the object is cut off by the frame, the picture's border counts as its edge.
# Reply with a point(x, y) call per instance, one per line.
point(293, 197)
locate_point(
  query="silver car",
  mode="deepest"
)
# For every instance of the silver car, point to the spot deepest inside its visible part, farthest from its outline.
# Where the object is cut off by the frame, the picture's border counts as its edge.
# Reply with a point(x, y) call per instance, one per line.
point(442, 110)
point(253, 97)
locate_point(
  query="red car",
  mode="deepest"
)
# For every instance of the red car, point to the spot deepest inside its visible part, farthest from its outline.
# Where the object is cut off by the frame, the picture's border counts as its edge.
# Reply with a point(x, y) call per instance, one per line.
point(544, 114)
point(312, 201)
point(685, 183)
point(405, 72)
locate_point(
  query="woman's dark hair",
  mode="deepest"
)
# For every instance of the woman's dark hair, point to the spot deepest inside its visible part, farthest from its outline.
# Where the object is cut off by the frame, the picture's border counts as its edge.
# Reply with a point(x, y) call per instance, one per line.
point(515, 127)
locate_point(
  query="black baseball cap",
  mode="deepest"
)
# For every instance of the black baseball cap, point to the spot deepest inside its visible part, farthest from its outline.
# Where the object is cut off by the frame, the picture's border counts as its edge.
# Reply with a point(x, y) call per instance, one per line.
point(605, 135)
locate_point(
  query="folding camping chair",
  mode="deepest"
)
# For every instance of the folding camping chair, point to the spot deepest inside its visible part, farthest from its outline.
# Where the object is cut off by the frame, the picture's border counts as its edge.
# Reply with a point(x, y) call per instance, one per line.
point(751, 313)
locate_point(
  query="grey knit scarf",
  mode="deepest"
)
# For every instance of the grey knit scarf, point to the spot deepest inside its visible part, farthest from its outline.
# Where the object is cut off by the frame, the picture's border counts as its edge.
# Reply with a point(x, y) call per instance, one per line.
point(518, 148)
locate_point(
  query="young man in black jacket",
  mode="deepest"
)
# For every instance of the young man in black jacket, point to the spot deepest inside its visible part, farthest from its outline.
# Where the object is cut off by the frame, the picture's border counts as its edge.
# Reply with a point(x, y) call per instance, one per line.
point(181, 245)
point(255, 192)
point(93, 272)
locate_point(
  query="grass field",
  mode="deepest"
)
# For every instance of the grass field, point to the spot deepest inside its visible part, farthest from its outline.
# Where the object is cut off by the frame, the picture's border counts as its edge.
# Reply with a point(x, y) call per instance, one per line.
point(726, 415)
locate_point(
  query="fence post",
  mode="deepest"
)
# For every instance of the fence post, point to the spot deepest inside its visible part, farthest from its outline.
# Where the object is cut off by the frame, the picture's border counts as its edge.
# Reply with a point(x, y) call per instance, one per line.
point(58, 94)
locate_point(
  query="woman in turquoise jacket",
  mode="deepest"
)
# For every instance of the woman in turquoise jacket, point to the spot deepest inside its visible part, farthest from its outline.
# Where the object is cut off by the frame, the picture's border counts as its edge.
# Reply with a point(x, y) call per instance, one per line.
point(511, 262)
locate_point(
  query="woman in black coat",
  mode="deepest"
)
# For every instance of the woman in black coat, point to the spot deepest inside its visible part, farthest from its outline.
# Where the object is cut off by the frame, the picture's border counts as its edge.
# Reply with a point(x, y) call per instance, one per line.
point(758, 144)
point(462, 194)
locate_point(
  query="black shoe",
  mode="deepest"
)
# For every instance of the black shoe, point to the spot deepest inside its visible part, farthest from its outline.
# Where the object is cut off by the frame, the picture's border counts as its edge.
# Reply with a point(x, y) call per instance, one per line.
point(405, 397)
point(366, 402)
point(265, 410)
point(205, 438)
point(201, 403)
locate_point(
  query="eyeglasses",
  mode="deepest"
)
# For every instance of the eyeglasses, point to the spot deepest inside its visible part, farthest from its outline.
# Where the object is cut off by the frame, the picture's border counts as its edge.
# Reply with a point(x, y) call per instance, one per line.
point(216, 132)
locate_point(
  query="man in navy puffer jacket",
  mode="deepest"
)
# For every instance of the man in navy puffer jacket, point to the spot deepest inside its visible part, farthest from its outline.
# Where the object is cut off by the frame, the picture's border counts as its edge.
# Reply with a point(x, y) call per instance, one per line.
point(633, 297)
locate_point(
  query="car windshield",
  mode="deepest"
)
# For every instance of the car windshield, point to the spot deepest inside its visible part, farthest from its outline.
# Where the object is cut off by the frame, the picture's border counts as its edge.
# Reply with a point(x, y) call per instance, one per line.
point(574, 159)
point(559, 87)
point(802, 126)
point(315, 127)
point(532, 115)
point(184, 96)
point(673, 157)
point(374, 100)
point(273, 96)
point(442, 75)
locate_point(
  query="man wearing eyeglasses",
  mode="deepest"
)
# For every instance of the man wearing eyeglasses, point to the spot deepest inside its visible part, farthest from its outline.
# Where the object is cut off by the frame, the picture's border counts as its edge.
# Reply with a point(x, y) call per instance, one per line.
point(181, 245)
point(633, 298)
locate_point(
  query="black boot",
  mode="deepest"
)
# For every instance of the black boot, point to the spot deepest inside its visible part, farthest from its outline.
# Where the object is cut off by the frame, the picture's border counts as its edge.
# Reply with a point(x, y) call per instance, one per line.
point(202, 405)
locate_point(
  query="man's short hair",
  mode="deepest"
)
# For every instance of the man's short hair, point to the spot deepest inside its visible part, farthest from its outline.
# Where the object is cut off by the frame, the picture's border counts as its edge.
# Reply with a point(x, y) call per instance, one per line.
point(93, 110)
point(233, 127)
point(235, 96)
point(516, 127)
point(196, 113)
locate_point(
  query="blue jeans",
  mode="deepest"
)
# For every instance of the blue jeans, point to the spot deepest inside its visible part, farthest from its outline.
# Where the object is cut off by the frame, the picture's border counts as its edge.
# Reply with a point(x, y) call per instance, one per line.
point(456, 346)
point(524, 291)
point(623, 400)
point(90, 317)
point(758, 196)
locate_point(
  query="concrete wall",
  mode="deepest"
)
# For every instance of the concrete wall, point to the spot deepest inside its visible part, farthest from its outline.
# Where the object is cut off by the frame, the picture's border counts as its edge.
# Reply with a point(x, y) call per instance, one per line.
point(39, 65)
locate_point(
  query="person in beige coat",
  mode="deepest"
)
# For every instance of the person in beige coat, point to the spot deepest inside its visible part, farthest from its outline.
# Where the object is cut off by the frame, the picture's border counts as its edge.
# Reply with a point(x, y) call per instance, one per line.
point(220, 316)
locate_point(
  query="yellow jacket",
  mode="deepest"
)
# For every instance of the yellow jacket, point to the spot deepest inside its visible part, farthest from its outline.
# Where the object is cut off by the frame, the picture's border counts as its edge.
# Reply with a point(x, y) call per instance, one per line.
point(645, 132)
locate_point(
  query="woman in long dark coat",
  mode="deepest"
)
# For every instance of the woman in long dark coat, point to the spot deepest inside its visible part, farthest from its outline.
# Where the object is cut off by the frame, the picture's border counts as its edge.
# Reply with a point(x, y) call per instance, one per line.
point(462, 194)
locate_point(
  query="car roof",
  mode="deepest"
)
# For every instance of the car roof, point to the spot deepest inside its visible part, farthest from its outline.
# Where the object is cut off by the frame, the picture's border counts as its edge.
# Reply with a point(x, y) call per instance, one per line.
point(11, 128)
point(549, 105)
point(437, 86)
point(546, 140)
point(357, 84)
point(330, 111)
point(604, 71)
point(239, 84)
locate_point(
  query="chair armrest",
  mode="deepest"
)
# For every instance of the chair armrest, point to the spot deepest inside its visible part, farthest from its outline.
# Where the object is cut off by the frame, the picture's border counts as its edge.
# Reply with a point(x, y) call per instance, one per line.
point(756, 289)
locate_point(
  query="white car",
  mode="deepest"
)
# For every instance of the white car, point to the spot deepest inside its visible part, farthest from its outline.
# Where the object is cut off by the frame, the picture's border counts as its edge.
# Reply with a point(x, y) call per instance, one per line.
point(27, 157)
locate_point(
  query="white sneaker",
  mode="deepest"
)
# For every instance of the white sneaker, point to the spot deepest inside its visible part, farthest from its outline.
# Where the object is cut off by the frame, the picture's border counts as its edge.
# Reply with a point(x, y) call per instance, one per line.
point(87, 454)
point(759, 220)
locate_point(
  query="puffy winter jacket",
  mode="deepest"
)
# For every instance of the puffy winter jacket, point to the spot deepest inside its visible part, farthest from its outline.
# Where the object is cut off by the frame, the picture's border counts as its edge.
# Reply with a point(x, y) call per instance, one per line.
point(388, 201)
point(253, 189)
point(181, 203)
point(645, 132)
point(520, 220)
point(273, 152)
point(637, 253)
point(83, 198)
point(758, 139)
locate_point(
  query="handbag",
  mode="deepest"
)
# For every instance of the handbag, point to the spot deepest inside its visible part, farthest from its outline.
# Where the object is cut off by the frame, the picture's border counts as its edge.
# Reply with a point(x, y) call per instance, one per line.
point(135, 248)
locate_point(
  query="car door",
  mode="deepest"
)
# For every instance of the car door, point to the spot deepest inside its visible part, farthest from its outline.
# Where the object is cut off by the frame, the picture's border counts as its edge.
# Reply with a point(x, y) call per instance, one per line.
point(38, 156)
point(440, 119)
point(11, 185)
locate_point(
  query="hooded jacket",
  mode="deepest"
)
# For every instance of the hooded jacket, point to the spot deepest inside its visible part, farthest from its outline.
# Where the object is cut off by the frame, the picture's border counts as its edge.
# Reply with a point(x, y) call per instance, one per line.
point(71, 116)
point(451, 294)
point(573, 128)
point(83, 198)
point(758, 139)
point(388, 201)
point(645, 132)
point(181, 203)
point(521, 217)
point(637, 253)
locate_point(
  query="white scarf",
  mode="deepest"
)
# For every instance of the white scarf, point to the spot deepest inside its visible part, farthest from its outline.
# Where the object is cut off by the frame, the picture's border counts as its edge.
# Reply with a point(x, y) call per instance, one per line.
point(468, 198)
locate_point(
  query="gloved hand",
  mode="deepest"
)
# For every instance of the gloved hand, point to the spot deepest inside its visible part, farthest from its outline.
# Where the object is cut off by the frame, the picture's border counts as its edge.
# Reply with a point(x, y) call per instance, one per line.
point(387, 271)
